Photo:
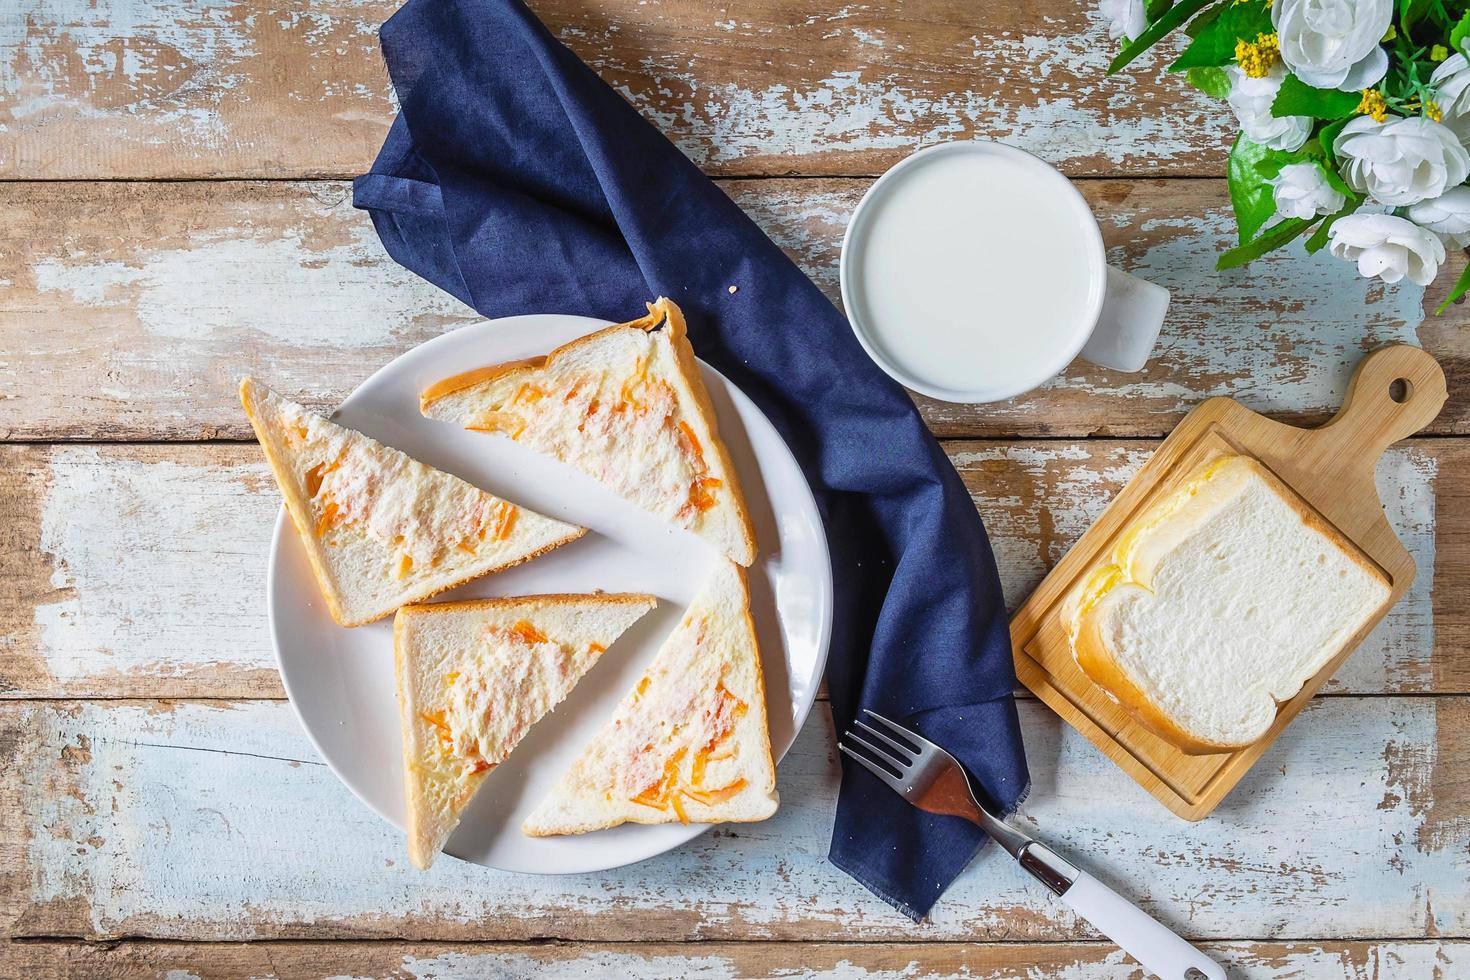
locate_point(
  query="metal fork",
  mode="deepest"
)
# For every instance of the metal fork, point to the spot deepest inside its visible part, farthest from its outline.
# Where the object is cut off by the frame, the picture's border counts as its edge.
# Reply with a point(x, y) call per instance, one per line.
point(933, 780)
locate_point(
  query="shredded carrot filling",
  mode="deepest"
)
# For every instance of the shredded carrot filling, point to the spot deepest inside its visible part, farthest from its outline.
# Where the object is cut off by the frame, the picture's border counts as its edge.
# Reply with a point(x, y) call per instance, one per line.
point(692, 440)
point(528, 632)
point(530, 393)
point(314, 478)
point(713, 796)
point(480, 766)
point(330, 518)
point(596, 648)
point(405, 564)
point(664, 793)
point(507, 520)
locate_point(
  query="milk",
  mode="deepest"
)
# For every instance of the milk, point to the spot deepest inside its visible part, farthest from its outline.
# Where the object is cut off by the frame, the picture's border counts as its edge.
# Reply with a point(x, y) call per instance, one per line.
point(973, 271)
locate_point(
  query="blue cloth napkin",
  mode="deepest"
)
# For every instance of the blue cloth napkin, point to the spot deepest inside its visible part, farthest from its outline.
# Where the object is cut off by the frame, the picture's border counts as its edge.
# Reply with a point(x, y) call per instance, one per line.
point(517, 180)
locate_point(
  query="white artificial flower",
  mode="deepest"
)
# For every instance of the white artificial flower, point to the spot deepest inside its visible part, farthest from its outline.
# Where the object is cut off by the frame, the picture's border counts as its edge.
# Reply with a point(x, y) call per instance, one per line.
point(1251, 99)
point(1333, 43)
point(1402, 161)
point(1301, 190)
point(1448, 216)
point(1451, 84)
point(1387, 247)
point(1125, 18)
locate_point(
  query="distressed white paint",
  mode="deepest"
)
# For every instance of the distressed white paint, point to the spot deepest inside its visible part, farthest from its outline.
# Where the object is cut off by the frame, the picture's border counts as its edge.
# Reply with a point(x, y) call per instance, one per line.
point(239, 280)
point(1046, 93)
point(207, 821)
point(173, 70)
point(1243, 961)
point(161, 561)
point(1280, 334)
point(1084, 479)
point(161, 565)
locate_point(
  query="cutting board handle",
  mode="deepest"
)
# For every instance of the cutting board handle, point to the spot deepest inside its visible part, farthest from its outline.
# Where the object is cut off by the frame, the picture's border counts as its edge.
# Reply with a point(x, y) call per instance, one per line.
point(1396, 391)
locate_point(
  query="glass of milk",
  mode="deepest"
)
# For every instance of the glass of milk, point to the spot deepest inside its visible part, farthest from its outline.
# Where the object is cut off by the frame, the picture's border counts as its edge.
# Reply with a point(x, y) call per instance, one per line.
point(974, 271)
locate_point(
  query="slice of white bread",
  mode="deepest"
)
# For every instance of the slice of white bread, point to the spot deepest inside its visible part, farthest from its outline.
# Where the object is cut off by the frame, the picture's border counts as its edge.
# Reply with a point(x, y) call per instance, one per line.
point(382, 529)
point(1219, 603)
point(625, 405)
point(689, 742)
point(473, 677)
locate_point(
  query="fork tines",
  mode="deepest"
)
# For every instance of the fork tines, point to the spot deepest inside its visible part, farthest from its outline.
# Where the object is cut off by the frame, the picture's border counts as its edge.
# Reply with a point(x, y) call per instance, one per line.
point(892, 759)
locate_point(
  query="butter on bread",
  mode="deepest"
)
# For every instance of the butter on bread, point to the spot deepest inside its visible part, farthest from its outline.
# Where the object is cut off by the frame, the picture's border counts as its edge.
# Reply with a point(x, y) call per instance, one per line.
point(473, 677)
point(1219, 602)
point(625, 405)
point(690, 742)
point(381, 529)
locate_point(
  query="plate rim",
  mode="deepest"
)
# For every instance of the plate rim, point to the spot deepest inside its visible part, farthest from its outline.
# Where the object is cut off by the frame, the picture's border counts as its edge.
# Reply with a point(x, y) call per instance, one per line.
point(283, 530)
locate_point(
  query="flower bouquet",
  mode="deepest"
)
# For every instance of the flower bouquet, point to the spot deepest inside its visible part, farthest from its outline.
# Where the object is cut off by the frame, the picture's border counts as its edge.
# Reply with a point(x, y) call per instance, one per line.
point(1354, 117)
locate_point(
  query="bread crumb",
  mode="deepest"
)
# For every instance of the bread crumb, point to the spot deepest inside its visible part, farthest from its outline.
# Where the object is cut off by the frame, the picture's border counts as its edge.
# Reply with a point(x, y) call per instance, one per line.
point(732, 290)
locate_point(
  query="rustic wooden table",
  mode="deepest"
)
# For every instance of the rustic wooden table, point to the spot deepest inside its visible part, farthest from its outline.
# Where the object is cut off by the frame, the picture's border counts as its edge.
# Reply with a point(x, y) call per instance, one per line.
point(174, 212)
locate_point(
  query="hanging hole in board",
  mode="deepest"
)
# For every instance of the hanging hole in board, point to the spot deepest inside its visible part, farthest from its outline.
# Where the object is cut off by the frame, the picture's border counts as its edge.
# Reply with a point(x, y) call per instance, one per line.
point(1400, 389)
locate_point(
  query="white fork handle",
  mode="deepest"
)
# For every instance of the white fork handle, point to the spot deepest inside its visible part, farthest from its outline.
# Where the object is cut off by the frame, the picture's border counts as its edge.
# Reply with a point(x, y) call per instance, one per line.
point(1140, 935)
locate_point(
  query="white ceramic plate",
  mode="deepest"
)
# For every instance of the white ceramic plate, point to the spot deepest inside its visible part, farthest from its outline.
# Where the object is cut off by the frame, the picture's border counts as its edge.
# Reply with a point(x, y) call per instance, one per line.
point(341, 682)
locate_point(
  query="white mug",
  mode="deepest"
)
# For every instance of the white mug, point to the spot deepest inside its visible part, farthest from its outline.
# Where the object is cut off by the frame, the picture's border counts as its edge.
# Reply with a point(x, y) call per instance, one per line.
point(974, 259)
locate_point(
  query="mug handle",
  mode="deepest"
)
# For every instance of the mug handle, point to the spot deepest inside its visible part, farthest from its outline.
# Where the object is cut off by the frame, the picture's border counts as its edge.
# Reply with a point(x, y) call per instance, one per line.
point(1132, 313)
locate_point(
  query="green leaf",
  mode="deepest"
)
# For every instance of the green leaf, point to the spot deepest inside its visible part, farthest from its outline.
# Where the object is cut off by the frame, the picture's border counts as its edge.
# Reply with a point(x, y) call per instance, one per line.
point(1204, 20)
point(1154, 9)
point(1171, 19)
point(1249, 172)
point(1274, 237)
point(1413, 11)
point(1211, 81)
point(1214, 45)
point(1297, 98)
point(1335, 181)
point(1461, 287)
point(1318, 240)
point(1459, 32)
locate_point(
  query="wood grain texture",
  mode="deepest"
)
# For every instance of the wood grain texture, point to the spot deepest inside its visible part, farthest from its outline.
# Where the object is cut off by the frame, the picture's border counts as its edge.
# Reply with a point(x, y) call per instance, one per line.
point(1385, 960)
point(214, 821)
point(1330, 470)
point(139, 571)
point(230, 88)
point(130, 310)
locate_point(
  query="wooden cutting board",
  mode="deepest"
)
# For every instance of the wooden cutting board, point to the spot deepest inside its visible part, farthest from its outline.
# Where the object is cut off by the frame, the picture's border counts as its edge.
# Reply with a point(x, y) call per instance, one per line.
point(1395, 392)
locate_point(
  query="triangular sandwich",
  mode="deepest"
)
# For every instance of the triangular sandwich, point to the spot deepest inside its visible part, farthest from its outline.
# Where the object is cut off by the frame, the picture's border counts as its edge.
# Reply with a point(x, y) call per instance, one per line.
point(382, 529)
point(474, 676)
point(689, 742)
point(627, 406)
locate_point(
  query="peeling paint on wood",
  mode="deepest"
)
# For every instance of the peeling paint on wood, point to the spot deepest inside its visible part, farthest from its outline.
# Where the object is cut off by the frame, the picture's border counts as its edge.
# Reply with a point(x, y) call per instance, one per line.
point(1384, 960)
point(240, 88)
point(142, 570)
point(134, 308)
point(211, 822)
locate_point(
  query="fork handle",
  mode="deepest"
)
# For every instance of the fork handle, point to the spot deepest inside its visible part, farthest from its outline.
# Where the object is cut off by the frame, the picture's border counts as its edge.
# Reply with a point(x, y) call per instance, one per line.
point(1139, 934)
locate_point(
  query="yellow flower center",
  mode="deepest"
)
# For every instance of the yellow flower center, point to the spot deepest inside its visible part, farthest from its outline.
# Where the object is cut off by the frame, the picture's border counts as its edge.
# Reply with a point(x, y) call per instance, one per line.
point(1439, 53)
point(1256, 58)
point(1372, 104)
point(1431, 109)
point(1389, 34)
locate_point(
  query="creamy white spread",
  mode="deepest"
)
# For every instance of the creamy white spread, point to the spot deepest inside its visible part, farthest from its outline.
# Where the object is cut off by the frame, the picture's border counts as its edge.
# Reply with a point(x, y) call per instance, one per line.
point(673, 732)
point(622, 425)
point(517, 676)
point(387, 493)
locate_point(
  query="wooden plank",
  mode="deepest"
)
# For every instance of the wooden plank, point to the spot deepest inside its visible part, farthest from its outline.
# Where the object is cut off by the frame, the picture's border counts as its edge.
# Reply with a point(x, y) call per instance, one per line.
point(212, 821)
point(139, 571)
point(168, 88)
point(725, 961)
point(129, 310)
